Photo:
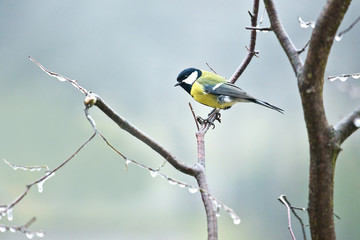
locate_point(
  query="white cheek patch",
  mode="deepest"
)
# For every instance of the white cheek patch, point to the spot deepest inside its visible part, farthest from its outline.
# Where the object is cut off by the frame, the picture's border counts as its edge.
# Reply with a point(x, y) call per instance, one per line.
point(191, 79)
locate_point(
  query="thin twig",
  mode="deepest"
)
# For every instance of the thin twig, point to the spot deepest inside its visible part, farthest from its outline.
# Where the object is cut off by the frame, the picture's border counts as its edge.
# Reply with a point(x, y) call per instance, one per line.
point(193, 113)
point(349, 28)
point(283, 200)
point(211, 68)
point(297, 216)
point(44, 178)
point(303, 49)
point(261, 29)
point(250, 54)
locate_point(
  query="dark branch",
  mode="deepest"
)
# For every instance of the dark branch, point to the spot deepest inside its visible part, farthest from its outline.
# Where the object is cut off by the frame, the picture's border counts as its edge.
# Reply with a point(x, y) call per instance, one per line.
point(263, 29)
point(349, 28)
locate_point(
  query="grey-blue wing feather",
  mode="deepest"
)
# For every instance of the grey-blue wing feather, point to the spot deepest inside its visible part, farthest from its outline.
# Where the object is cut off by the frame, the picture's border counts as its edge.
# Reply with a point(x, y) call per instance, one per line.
point(227, 89)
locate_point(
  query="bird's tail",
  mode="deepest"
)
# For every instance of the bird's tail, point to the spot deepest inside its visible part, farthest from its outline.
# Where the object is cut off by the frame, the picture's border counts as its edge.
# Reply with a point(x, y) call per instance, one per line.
point(265, 104)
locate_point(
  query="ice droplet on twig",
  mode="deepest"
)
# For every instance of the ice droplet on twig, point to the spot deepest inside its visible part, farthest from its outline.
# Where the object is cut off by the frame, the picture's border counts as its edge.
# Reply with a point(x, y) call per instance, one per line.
point(304, 24)
point(40, 234)
point(193, 190)
point(40, 186)
point(29, 235)
point(10, 214)
point(153, 173)
point(41, 183)
point(338, 38)
point(357, 122)
point(12, 229)
point(127, 161)
point(2, 229)
point(356, 75)
point(172, 182)
point(236, 219)
point(181, 185)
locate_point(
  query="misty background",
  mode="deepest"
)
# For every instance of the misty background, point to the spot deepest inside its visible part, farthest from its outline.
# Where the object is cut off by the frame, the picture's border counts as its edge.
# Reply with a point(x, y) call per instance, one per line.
point(130, 53)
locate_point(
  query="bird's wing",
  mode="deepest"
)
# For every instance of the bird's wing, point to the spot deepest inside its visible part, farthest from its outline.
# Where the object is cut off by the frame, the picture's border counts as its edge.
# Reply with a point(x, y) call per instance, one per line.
point(227, 89)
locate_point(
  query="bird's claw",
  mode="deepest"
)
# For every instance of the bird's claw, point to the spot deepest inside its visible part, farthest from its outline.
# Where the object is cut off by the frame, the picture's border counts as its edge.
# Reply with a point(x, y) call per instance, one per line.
point(205, 121)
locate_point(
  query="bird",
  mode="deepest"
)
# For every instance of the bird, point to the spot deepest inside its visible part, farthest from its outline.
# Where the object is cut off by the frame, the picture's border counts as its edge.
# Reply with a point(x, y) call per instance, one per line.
point(214, 90)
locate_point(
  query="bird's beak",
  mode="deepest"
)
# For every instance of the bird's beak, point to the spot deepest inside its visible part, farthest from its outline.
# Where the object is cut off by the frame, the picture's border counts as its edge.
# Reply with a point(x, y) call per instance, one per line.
point(177, 84)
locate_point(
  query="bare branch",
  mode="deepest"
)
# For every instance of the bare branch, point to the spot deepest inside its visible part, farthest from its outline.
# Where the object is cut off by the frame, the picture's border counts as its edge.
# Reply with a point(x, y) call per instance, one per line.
point(261, 29)
point(283, 37)
point(251, 52)
point(284, 201)
point(127, 126)
point(349, 28)
point(347, 126)
point(23, 229)
point(8, 208)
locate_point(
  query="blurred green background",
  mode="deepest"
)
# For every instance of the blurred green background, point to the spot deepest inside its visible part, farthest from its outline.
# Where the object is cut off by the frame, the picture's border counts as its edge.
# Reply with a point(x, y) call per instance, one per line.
point(130, 53)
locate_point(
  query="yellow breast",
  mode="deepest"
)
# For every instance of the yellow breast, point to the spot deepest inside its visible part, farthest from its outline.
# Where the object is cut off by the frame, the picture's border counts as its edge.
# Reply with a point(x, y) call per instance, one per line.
point(198, 93)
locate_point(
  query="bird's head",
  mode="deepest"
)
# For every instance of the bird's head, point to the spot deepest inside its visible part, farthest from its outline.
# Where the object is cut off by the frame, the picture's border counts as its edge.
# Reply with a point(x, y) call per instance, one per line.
point(187, 77)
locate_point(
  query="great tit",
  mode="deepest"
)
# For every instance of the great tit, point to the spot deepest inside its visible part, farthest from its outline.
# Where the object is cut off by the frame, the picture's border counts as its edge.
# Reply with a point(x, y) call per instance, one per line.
point(214, 91)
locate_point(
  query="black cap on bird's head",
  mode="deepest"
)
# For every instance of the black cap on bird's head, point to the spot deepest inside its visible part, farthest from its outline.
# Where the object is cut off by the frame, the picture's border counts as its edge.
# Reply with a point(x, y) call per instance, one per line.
point(187, 77)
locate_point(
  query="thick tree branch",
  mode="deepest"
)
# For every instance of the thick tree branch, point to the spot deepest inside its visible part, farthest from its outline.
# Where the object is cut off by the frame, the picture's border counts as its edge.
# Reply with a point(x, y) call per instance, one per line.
point(347, 126)
point(285, 41)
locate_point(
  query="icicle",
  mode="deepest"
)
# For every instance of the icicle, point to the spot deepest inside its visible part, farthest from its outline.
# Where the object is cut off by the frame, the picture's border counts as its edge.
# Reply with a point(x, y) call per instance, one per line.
point(40, 186)
point(153, 173)
point(10, 214)
point(127, 161)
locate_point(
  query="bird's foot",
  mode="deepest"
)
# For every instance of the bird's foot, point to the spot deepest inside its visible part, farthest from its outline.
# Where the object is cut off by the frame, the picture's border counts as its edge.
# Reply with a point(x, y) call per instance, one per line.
point(203, 121)
point(214, 115)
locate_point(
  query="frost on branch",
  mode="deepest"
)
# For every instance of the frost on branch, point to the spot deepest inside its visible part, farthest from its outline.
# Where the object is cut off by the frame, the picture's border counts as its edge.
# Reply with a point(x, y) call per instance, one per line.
point(344, 77)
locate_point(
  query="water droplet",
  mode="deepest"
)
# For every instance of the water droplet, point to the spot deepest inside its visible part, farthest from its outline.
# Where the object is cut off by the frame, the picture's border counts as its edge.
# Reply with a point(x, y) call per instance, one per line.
point(356, 75)
point(338, 37)
point(172, 182)
point(181, 185)
point(10, 214)
point(61, 78)
point(341, 78)
point(12, 229)
point(217, 214)
point(153, 173)
point(193, 190)
point(2, 229)
point(127, 161)
point(236, 221)
point(40, 234)
point(30, 235)
point(40, 186)
point(357, 122)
